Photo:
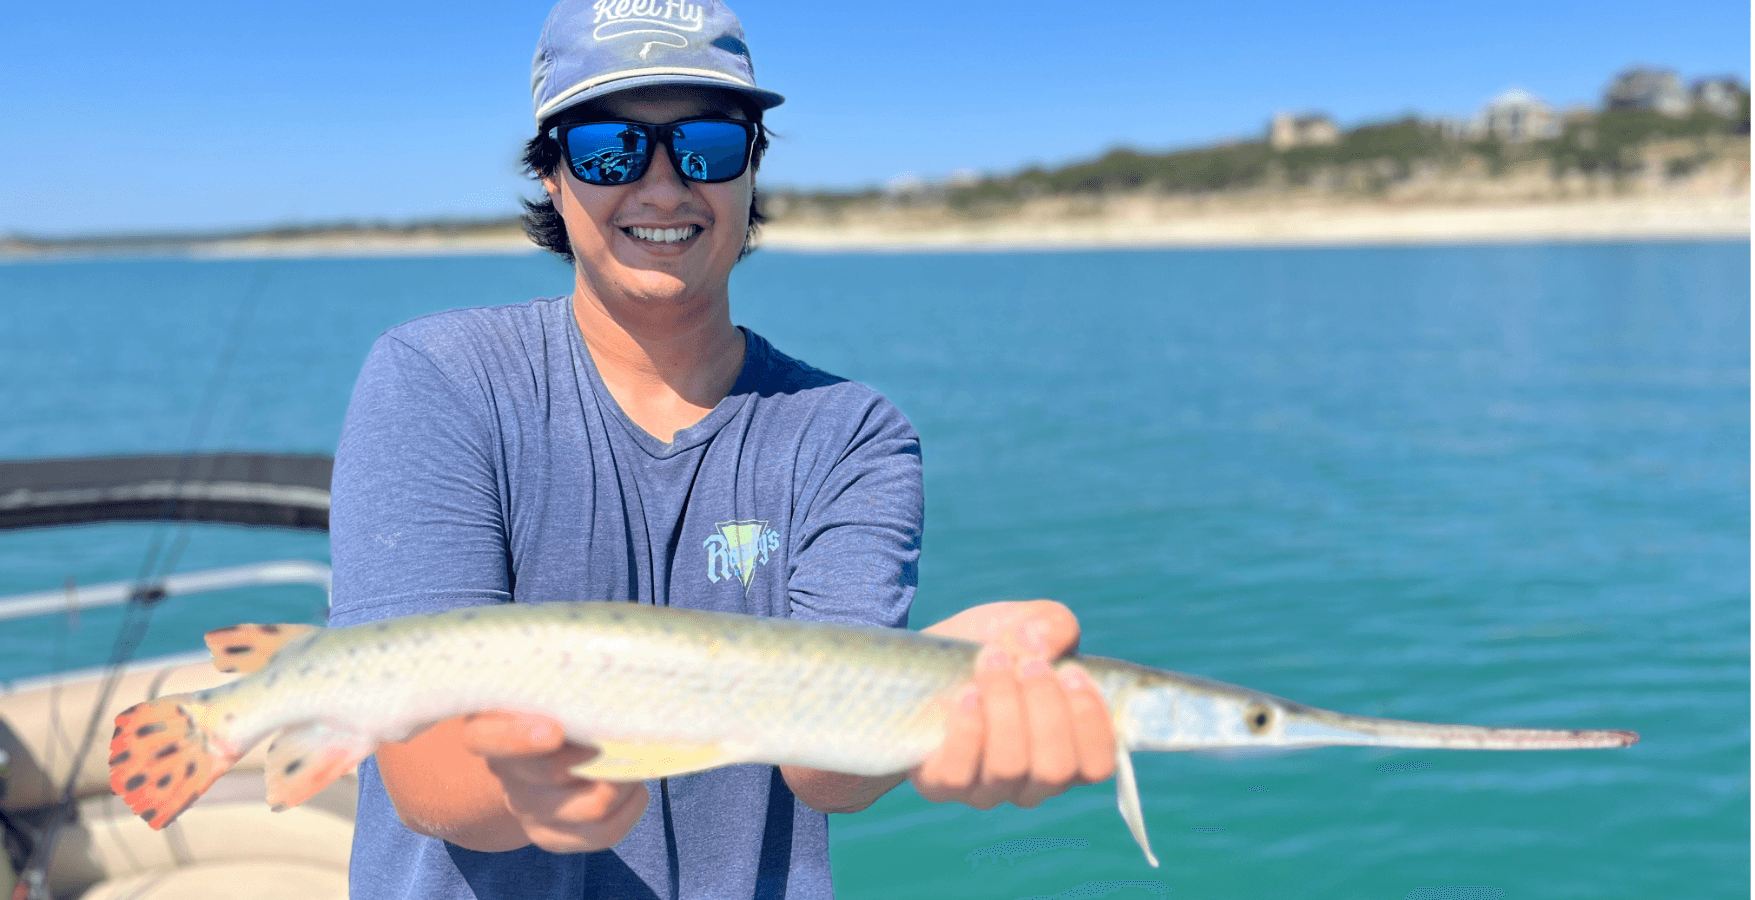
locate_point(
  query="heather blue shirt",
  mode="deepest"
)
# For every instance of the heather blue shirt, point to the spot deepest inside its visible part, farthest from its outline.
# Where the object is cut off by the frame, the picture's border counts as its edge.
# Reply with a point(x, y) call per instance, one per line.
point(483, 461)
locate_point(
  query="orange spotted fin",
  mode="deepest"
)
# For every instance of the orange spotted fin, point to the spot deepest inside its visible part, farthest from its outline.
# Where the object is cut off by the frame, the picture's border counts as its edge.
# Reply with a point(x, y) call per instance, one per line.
point(304, 760)
point(162, 757)
point(246, 648)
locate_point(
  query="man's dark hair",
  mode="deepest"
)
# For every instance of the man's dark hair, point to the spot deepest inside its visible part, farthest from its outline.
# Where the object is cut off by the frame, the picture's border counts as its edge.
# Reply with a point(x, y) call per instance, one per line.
point(542, 157)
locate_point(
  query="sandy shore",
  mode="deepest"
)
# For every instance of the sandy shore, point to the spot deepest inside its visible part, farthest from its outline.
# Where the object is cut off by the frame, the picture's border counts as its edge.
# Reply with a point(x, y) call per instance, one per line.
point(1147, 225)
point(1134, 223)
point(509, 241)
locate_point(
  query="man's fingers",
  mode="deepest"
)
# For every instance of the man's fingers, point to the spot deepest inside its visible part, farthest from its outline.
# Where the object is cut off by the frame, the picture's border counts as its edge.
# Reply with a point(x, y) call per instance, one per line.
point(1002, 624)
point(603, 805)
point(525, 752)
point(1054, 761)
point(626, 813)
point(511, 734)
point(1039, 731)
point(1005, 754)
point(1045, 628)
point(956, 764)
point(595, 819)
point(527, 792)
point(1092, 732)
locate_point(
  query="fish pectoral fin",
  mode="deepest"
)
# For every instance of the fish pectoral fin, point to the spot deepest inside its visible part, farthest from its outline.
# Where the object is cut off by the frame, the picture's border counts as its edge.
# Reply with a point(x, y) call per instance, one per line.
point(246, 648)
point(305, 759)
point(619, 760)
point(1127, 796)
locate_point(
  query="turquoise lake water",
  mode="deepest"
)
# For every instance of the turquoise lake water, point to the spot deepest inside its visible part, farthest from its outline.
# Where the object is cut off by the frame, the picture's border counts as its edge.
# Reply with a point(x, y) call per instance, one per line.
point(1502, 485)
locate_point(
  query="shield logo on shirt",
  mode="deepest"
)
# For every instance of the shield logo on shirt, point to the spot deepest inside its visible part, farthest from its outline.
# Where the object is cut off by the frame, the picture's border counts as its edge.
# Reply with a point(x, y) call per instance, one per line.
point(738, 548)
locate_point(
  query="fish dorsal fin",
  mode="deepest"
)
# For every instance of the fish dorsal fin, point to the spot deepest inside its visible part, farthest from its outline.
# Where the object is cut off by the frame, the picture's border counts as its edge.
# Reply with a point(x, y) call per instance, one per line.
point(1127, 796)
point(246, 648)
point(643, 760)
point(304, 760)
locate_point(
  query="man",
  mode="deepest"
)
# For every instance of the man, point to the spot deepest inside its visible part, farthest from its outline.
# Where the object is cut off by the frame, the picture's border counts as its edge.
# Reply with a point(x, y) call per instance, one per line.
point(630, 443)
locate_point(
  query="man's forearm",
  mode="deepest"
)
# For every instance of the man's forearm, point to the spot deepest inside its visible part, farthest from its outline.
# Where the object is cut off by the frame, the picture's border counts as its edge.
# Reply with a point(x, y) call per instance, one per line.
point(838, 792)
point(441, 790)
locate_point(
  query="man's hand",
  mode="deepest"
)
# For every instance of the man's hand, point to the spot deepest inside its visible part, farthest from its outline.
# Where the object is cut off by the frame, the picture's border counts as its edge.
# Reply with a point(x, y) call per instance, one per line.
point(558, 811)
point(1022, 732)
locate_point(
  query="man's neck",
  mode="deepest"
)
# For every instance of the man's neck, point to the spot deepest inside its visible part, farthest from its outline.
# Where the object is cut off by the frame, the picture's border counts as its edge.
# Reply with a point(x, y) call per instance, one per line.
point(666, 368)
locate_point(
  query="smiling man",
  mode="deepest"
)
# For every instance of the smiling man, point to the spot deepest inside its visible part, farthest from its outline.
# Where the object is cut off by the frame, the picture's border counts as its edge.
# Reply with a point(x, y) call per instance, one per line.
point(628, 442)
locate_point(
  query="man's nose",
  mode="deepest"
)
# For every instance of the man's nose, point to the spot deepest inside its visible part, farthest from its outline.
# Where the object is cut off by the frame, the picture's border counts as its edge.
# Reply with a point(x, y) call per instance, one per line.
point(661, 183)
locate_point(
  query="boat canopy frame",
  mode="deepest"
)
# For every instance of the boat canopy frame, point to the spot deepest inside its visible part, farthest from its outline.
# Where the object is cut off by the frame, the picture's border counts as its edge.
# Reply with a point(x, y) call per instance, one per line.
point(266, 489)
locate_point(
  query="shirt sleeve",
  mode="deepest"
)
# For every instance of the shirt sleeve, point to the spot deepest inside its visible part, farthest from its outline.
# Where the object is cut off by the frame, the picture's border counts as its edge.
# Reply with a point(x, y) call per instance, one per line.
point(416, 522)
point(858, 552)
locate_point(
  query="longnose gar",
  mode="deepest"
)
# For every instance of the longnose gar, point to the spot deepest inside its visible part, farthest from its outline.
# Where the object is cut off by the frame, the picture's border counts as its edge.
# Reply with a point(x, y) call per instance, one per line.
point(663, 692)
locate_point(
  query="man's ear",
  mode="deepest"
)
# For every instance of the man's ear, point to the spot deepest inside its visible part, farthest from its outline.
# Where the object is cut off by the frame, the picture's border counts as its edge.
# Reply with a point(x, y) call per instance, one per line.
point(552, 184)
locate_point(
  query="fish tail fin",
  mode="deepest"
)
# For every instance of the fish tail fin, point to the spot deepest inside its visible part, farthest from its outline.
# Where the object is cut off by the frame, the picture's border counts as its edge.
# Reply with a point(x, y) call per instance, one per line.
point(164, 754)
point(305, 759)
point(246, 648)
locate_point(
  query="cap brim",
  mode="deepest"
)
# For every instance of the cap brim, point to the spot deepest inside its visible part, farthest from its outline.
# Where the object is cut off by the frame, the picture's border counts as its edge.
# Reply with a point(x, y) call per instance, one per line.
point(763, 99)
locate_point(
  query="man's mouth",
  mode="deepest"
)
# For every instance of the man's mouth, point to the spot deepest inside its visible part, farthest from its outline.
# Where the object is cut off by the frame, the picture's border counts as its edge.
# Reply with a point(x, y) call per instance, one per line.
point(662, 235)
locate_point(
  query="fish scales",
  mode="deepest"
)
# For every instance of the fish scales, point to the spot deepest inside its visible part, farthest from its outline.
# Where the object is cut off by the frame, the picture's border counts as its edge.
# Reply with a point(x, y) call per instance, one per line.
point(665, 691)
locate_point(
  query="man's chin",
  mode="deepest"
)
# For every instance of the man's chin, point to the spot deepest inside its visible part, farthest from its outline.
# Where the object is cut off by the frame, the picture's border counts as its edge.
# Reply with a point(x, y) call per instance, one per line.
point(652, 278)
point(655, 286)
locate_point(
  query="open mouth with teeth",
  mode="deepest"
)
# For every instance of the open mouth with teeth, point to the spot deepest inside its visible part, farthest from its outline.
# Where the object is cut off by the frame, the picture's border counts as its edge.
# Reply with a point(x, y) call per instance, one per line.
point(662, 235)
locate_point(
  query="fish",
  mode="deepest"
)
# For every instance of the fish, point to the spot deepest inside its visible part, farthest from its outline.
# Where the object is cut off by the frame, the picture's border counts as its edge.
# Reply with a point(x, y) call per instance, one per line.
point(663, 691)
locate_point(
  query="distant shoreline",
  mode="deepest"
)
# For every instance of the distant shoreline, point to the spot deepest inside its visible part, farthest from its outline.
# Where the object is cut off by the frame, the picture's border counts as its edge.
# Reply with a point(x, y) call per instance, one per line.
point(1128, 224)
point(1144, 225)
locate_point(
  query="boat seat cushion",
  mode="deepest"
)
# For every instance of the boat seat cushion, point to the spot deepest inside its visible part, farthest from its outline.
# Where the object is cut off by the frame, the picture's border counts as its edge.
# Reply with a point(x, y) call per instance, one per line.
point(257, 880)
point(43, 721)
point(231, 825)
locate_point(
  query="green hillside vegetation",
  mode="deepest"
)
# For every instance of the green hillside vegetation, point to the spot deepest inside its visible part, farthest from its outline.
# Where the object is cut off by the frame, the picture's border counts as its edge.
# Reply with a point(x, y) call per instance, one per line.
point(1370, 158)
point(1612, 141)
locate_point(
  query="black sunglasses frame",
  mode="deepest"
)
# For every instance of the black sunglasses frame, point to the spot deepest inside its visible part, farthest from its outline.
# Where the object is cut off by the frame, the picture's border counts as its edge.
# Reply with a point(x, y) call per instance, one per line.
point(656, 134)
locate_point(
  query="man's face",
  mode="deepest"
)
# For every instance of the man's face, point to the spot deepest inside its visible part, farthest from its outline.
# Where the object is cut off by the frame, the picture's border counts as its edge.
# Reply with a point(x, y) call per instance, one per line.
point(618, 232)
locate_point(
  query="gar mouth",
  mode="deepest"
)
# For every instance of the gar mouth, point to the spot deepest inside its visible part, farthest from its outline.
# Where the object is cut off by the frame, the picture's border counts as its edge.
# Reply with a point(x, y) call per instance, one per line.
point(674, 235)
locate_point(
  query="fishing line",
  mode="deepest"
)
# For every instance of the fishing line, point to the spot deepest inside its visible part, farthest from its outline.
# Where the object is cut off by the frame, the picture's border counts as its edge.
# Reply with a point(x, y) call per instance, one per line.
point(147, 591)
point(198, 432)
point(58, 663)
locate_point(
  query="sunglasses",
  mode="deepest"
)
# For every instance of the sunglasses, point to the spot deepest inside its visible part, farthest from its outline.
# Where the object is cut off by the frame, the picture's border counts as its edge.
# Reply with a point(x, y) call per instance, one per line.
point(704, 150)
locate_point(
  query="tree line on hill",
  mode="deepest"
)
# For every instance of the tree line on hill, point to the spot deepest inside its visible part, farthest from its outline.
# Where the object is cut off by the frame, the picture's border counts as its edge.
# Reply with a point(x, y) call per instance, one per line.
point(1609, 143)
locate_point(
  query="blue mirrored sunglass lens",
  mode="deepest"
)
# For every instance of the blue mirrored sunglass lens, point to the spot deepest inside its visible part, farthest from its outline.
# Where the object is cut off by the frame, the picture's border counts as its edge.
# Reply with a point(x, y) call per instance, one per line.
point(607, 152)
point(710, 151)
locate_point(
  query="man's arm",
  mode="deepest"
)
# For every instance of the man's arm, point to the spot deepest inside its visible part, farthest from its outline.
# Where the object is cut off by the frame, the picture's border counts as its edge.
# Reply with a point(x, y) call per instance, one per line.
point(1020, 734)
point(415, 526)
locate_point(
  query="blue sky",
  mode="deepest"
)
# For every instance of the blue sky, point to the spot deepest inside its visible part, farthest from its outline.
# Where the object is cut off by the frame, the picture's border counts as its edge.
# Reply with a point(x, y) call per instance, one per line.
point(124, 117)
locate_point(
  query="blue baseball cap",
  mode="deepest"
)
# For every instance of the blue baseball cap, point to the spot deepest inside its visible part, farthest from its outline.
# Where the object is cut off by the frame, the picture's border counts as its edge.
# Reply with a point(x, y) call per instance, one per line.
point(590, 48)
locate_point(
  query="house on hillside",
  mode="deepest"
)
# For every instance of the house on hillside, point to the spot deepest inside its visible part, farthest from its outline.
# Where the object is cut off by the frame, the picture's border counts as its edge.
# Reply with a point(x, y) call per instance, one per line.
point(1288, 131)
point(1648, 88)
point(1722, 96)
point(1516, 116)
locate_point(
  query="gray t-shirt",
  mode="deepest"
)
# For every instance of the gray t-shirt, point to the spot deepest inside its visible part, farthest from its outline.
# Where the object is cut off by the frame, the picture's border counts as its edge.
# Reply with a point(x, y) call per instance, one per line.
point(483, 461)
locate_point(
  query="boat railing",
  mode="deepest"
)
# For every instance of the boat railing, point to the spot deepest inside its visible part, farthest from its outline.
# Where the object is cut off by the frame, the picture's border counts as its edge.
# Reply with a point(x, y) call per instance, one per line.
point(116, 593)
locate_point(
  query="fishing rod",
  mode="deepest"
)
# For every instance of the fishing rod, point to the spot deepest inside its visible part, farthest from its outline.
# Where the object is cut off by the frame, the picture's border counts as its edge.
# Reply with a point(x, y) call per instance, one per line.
point(143, 598)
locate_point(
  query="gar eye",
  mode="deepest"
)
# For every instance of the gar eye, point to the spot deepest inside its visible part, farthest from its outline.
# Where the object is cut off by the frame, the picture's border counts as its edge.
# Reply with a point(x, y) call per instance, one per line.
point(1258, 716)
